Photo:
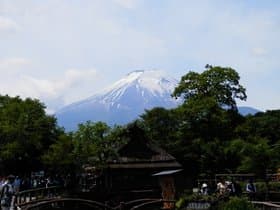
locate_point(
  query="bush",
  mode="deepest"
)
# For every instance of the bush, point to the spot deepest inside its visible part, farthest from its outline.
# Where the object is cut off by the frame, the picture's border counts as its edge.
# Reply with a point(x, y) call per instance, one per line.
point(197, 198)
point(274, 186)
point(235, 203)
point(261, 187)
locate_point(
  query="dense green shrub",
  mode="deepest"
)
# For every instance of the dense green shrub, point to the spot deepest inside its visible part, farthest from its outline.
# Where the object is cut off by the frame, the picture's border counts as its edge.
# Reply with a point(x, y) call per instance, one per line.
point(235, 203)
point(198, 198)
point(274, 186)
point(261, 187)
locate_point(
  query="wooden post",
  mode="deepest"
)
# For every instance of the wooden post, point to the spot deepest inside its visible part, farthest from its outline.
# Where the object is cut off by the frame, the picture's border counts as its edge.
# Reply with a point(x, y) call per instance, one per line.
point(168, 191)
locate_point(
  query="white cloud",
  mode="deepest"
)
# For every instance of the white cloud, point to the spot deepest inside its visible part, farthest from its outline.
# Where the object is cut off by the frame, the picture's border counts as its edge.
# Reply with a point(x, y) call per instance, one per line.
point(74, 77)
point(259, 51)
point(127, 4)
point(13, 64)
point(54, 92)
point(121, 35)
point(7, 24)
point(51, 89)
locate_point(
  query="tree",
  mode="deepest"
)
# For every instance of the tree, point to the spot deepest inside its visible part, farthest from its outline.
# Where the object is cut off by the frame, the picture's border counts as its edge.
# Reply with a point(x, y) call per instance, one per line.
point(207, 118)
point(219, 83)
point(263, 124)
point(262, 137)
point(26, 131)
point(60, 157)
point(257, 157)
point(93, 144)
point(161, 125)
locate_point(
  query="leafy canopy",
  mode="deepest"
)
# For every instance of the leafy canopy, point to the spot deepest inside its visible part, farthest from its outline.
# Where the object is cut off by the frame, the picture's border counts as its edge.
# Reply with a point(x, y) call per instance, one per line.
point(95, 143)
point(26, 131)
point(219, 83)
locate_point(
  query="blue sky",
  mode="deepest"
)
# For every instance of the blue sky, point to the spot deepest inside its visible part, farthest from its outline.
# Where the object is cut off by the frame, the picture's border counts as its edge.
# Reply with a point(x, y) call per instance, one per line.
point(61, 51)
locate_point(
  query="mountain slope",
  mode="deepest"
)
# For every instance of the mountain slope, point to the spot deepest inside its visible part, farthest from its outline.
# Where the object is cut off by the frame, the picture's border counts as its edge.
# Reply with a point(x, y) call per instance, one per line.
point(246, 110)
point(123, 102)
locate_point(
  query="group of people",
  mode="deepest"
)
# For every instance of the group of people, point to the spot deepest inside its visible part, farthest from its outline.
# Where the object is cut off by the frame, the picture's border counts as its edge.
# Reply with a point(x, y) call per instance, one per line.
point(11, 184)
point(229, 187)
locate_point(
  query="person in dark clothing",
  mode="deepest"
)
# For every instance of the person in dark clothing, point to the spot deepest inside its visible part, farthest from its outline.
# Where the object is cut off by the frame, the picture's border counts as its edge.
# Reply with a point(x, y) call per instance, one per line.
point(251, 189)
point(236, 188)
point(7, 194)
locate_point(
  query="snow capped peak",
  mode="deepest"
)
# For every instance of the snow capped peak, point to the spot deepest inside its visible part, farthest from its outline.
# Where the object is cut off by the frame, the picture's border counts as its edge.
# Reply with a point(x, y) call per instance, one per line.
point(136, 72)
point(132, 76)
point(148, 83)
point(146, 73)
point(154, 81)
point(143, 75)
point(124, 100)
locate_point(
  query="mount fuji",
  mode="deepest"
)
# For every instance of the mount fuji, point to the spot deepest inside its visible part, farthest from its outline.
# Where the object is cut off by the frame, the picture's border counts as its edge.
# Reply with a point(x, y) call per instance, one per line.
point(122, 102)
point(126, 100)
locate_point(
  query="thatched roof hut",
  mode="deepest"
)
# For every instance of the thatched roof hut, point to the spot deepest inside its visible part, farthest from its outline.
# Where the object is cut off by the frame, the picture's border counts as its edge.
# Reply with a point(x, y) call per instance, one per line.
point(137, 160)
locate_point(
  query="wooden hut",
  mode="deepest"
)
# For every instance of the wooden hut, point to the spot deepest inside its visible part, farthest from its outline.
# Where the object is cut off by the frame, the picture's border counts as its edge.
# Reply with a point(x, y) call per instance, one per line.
point(137, 161)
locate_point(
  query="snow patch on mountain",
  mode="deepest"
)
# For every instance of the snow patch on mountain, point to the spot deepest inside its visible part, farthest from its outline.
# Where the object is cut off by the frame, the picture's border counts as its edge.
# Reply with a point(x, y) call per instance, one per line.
point(123, 101)
point(148, 83)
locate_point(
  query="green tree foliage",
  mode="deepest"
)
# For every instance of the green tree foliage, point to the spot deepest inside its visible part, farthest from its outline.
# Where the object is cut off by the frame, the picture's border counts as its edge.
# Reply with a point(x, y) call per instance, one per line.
point(208, 118)
point(59, 158)
point(26, 131)
point(205, 119)
point(95, 143)
point(219, 83)
point(161, 125)
point(257, 157)
point(198, 132)
point(262, 124)
point(260, 134)
point(206, 133)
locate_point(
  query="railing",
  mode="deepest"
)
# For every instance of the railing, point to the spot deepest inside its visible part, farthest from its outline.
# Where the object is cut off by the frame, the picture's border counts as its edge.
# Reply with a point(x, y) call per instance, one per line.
point(27, 197)
point(66, 203)
point(52, 197)
point(75, 203)
point(266, 205)
point(160, 204)
point(128, 205)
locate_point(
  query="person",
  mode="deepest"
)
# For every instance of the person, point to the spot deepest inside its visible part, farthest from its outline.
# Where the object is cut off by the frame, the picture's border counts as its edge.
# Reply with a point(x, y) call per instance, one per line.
point(17, 184)
point(228, 185)
point(49, 182)
point(3, 181)
point(251, 189)
point(221, 187)
point(236, 188)
point(204, 189)
point(7, 194)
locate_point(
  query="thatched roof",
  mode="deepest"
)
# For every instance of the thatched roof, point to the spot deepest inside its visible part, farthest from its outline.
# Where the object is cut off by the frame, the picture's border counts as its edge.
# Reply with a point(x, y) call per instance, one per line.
point(139, 152)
